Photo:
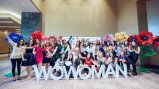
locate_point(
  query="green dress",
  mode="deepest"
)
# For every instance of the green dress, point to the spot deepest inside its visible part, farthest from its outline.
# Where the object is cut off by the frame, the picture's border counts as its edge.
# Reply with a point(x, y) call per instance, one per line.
point(63, 49)
point(58, 54)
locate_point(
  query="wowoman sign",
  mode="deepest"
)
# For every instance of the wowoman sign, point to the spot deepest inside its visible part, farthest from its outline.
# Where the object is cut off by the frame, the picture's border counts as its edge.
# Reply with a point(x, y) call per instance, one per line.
point(92, 72)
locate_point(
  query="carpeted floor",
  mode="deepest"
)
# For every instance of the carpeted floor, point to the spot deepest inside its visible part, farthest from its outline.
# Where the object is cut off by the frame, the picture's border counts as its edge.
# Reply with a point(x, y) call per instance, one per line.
point(142, 81)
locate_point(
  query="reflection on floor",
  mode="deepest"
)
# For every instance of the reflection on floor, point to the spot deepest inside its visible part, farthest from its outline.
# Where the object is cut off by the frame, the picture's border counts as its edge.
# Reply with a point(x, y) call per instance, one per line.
point(5, 64)
point(142, 81)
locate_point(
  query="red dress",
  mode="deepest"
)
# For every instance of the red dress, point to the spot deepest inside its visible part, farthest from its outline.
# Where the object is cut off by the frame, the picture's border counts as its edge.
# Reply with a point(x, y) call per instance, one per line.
point(88, 62)
point(39, 54)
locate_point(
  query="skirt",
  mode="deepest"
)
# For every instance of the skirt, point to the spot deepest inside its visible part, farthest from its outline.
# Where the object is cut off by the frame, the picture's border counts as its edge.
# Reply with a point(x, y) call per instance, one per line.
point(52, 61)
point(29, 60)
point(46, 60)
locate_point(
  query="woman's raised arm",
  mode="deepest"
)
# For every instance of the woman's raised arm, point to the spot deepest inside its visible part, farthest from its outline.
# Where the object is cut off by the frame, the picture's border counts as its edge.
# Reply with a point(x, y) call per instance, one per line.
point(10, 41)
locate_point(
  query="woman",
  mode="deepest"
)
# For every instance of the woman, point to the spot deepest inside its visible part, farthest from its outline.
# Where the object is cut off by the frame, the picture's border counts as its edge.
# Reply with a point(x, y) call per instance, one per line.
point(121, 59)
point(89, 61)
point(101, 59)
point(85, 48)
point(108, 49)
point(134, 55)
point(96, 50)
point(52, 49)
point(68, 63)
point(64, 47)
point(38, 52)
point(77, 47)
point(77, 60)
point(127, 53)
point(117, 52)
point(47, 54)
point(69, 49)
point(60, 62)
point(29, 59)
point(16, 55)
point(58, 51)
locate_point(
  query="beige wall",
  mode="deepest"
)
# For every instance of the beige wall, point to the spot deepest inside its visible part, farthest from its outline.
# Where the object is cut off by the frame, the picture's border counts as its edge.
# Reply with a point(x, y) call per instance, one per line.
point(127, 16)
point(3, 44)
point(67, 17)
point(39, 4)
point(79, 17)
point(4, 47)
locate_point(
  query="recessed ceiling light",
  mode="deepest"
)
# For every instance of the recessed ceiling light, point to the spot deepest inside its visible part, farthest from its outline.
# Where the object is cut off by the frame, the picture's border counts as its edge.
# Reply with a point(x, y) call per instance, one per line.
point(9, 27)
point(23, 4)
point(12, 13)
point(3, 17)
point(6, 21)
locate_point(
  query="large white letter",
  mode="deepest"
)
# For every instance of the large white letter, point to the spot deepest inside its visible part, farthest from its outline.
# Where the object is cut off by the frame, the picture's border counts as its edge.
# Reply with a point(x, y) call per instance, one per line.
point(88, 75)
point(55, 77)
point(118, 68)
point(110, 70)
point(98, 74)
point(41, 70)
point(69, 72)
point(76, 72)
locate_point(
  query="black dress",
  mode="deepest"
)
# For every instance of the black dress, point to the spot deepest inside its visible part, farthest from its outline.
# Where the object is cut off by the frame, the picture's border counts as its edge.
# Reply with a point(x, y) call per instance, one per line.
point(77, 63)
point(133, 58)
point(45, 59)
point(30, 60)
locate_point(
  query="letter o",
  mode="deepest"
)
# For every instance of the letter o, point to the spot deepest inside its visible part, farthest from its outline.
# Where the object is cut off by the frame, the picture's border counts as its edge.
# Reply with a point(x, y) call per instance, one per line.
point(89, 72)
point(55, 77)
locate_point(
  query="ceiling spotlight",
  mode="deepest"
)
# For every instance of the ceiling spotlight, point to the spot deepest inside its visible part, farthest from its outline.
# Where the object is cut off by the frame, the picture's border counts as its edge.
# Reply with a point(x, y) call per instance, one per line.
point(23, 4)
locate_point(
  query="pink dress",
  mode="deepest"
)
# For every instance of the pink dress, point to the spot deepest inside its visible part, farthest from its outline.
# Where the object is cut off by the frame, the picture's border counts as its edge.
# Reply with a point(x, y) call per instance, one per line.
point(39, 54)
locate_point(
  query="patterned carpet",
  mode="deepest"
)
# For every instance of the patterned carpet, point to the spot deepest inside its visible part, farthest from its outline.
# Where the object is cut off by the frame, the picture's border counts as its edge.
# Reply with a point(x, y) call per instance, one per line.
point(142, 81)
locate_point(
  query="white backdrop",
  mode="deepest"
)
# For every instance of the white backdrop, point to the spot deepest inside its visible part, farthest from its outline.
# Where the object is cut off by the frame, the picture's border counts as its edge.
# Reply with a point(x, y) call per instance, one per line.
point(92, 39)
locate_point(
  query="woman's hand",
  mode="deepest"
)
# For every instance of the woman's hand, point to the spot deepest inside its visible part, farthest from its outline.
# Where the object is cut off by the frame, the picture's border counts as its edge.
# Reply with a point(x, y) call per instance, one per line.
point(24, 59)
point(6, 32)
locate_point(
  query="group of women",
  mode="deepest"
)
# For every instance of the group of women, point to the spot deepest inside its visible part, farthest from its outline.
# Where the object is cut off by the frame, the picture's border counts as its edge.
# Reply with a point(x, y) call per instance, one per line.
point(51, 52)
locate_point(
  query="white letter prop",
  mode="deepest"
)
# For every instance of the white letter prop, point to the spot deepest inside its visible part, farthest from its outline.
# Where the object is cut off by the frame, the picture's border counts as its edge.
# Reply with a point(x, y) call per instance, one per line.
point(55, 77)
point(75, 72)
point(118, 68)
point(98, 74)
point(91, 72)
point(88, 75)
point(69, 72)
point(41, 70)
point(110, 70)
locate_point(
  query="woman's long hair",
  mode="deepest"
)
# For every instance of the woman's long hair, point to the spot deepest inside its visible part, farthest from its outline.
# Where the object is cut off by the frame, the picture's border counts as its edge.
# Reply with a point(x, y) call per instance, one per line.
point(18, 44)
point(71, 58)
point(135, 47)
point(91, 56)
point(28, 43)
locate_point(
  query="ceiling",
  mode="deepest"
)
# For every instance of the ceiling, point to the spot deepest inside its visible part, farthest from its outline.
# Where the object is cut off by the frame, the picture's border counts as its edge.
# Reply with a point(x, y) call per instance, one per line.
point(7, 23)
point(10, 12)
point(17, 6)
